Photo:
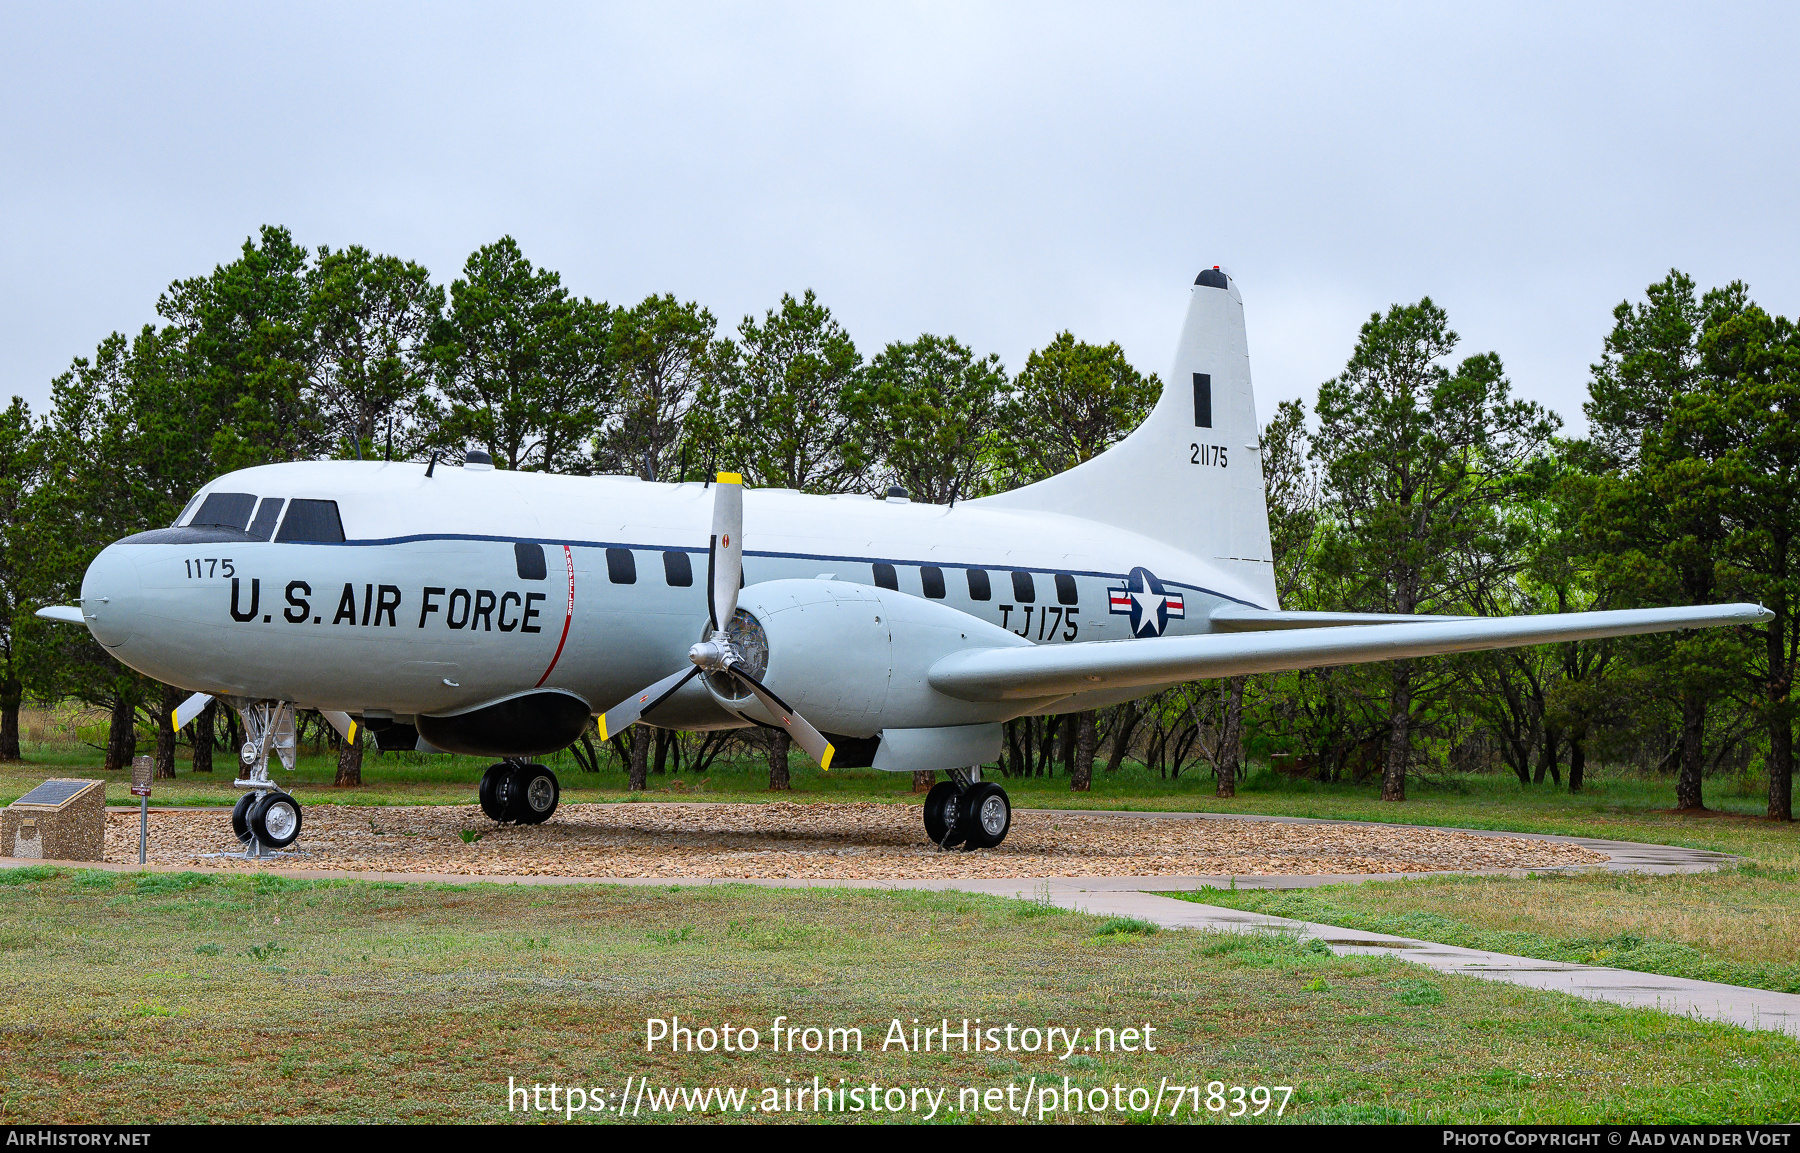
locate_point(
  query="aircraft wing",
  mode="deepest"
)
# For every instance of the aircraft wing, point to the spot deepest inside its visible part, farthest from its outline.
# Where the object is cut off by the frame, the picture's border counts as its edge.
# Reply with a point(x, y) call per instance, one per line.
point(1058, 670)
point(1241, 619)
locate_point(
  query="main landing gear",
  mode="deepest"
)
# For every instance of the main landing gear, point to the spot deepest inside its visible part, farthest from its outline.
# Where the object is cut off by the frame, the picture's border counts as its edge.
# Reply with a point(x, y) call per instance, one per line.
point(517, 793)
point(966, 812)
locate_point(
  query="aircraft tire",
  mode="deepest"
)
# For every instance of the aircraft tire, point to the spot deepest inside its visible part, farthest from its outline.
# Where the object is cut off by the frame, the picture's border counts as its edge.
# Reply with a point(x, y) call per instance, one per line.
point(240, 817)
point(497, 792)
point(275, 820)
point(940, 803)
point(986, 816)
point(535, 793)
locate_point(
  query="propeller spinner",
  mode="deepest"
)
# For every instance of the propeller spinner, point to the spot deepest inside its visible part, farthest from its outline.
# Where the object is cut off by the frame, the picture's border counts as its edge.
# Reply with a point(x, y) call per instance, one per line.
point(717, 653)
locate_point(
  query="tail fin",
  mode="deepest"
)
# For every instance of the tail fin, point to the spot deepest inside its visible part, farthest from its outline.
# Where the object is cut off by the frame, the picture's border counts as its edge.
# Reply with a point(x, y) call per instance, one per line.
point(1191, 475)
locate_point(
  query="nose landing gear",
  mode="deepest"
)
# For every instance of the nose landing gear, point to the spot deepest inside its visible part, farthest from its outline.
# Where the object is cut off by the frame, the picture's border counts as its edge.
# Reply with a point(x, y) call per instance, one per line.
point(514, 792)
point(266, 817)
point(967, 813)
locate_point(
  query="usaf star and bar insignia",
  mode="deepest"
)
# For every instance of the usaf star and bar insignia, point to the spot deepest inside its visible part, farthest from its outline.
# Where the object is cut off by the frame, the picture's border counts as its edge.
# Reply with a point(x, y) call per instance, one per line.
point(1149, 605)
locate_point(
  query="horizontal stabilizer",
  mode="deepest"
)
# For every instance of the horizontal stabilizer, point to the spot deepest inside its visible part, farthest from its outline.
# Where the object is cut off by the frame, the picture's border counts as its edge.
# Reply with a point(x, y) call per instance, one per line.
point(1243, 619)
point(1059, 670)
point(66, 614)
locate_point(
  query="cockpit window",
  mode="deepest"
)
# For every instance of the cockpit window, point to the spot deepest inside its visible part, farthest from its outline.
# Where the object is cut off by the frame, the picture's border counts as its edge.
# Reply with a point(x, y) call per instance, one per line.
point(311, 520)
point(226, 510)
point(267, 513)
point(192, 503)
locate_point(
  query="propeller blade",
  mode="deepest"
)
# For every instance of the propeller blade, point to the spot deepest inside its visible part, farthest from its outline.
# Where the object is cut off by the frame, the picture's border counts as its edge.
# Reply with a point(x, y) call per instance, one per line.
point(343, 723)
point(626, 713)
point(188, 710)
point(807, 737)
point(725, 554)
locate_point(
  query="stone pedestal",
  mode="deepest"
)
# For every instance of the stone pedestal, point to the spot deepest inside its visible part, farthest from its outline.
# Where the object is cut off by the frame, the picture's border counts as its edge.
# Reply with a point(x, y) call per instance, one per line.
point(59, 820)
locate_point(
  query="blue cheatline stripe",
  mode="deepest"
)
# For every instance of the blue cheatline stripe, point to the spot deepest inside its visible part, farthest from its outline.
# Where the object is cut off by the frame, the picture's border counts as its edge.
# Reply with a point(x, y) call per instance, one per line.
point(808, 556)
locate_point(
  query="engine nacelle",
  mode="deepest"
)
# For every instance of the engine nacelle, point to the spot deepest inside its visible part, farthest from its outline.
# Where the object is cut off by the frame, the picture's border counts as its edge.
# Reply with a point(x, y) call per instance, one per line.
point(852, 659)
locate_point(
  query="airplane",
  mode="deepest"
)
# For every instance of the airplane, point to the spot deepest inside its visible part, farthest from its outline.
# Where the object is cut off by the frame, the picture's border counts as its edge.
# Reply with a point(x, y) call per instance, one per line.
point(497, 613)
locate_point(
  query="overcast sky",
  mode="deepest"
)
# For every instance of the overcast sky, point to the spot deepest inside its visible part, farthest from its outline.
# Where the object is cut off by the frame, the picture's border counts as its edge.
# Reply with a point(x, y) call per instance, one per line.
point(994, 172)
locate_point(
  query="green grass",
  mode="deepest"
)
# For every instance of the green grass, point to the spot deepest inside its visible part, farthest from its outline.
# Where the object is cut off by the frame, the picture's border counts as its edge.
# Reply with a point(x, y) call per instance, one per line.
point(189, 997)
point(1737, 927)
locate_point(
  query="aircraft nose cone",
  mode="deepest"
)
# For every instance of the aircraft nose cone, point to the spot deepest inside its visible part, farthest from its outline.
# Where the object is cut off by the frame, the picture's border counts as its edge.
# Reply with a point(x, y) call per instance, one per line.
point(108, 590)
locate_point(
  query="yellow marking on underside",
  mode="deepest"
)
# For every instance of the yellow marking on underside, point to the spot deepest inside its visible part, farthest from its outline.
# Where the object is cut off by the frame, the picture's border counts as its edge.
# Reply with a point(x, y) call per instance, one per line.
point(730, 478)
point(825, 761)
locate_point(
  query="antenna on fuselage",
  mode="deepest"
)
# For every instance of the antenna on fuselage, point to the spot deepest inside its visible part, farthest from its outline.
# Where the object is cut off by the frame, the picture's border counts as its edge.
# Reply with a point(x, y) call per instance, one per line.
point(432, 465)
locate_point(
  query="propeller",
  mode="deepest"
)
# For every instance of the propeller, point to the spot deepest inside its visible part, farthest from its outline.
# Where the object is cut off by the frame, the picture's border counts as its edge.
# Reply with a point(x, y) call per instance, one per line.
point(717, 653)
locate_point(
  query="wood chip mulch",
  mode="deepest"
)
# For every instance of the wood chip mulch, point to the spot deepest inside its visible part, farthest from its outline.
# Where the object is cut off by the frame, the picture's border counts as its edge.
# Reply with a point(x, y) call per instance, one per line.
point(824, 841)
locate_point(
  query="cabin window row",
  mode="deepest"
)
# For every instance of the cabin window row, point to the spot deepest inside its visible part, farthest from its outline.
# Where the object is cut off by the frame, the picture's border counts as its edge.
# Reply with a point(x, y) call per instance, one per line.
point(981, 585)
point(678, 572)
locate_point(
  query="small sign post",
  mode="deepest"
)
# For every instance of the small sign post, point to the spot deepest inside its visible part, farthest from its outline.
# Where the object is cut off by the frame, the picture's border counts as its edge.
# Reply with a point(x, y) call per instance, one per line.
point(140, 788)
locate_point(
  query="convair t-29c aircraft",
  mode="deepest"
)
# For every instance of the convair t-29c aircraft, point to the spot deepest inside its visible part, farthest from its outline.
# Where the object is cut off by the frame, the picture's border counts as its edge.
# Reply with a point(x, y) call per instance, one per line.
point(494, 613)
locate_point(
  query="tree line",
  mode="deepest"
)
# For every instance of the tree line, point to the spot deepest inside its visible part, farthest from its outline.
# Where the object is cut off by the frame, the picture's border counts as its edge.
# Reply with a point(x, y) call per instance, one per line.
point(1414, 483)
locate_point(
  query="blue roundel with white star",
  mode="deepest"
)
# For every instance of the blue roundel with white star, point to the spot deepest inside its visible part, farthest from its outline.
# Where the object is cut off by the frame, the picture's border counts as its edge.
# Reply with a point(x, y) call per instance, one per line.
point(1149, 605)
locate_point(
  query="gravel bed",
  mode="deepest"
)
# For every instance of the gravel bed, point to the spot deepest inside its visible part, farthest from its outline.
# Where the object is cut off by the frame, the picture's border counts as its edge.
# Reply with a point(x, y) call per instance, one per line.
point(843, 841)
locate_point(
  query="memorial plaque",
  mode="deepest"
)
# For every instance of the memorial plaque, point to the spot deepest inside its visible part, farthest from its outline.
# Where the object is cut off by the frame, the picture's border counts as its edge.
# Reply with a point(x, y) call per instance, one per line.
point(140, 776)
point(52, 792)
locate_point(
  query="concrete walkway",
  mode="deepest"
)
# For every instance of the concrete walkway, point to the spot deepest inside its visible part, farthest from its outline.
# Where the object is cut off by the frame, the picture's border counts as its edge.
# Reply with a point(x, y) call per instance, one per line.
point(1140, 897)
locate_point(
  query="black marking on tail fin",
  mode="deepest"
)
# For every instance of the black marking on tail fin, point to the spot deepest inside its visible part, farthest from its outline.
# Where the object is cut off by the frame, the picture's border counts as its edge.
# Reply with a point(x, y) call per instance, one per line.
point(1203, 400)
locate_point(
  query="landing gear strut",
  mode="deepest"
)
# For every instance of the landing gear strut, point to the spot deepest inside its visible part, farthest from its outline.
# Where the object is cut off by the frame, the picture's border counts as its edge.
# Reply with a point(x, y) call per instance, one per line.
point(514, 792)
point(966, 812)
point(267, 816)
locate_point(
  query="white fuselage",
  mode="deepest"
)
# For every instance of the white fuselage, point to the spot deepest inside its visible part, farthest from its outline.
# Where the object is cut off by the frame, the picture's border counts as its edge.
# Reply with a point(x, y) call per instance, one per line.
point(426, 606)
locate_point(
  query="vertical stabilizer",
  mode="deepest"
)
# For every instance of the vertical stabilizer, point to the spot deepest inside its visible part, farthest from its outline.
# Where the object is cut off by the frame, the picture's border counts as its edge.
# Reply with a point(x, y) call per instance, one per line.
point(1190, 476)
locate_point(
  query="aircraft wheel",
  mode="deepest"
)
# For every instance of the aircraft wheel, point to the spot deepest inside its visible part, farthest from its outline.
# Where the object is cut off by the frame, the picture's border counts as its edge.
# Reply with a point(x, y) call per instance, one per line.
point(534, 794)
point(275, 820)
point(497, 792)
point(943, 807)
point(986, 816)
point(240, 817)
point(940, 810)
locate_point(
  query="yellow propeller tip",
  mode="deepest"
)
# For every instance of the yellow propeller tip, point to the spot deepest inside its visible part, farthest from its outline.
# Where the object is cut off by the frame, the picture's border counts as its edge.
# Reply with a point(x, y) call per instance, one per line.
point(175, 721)
point(602, 726)
point(351, 735)
point(730, 478)
point(825, 761)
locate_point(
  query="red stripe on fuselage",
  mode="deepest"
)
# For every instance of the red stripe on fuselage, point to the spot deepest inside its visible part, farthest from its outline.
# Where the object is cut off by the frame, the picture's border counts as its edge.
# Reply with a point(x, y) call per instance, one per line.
point(568, 616)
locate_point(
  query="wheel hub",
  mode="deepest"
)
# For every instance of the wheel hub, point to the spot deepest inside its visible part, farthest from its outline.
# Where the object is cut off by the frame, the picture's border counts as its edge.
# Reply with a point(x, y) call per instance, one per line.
point(540, 794)
point(279, 819)
point(992, 816)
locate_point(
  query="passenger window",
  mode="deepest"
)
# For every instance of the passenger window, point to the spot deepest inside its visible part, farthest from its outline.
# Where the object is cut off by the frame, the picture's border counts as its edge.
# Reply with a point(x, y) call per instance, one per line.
point(1065, 590)
point(933, 580)
point(678, 569)
point(267, 513)
point(225, 510)
point(312, 520)
point(886, 578)
point(621, 566)
point(979, 589)
point(530, 559)
point(1024, 591)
